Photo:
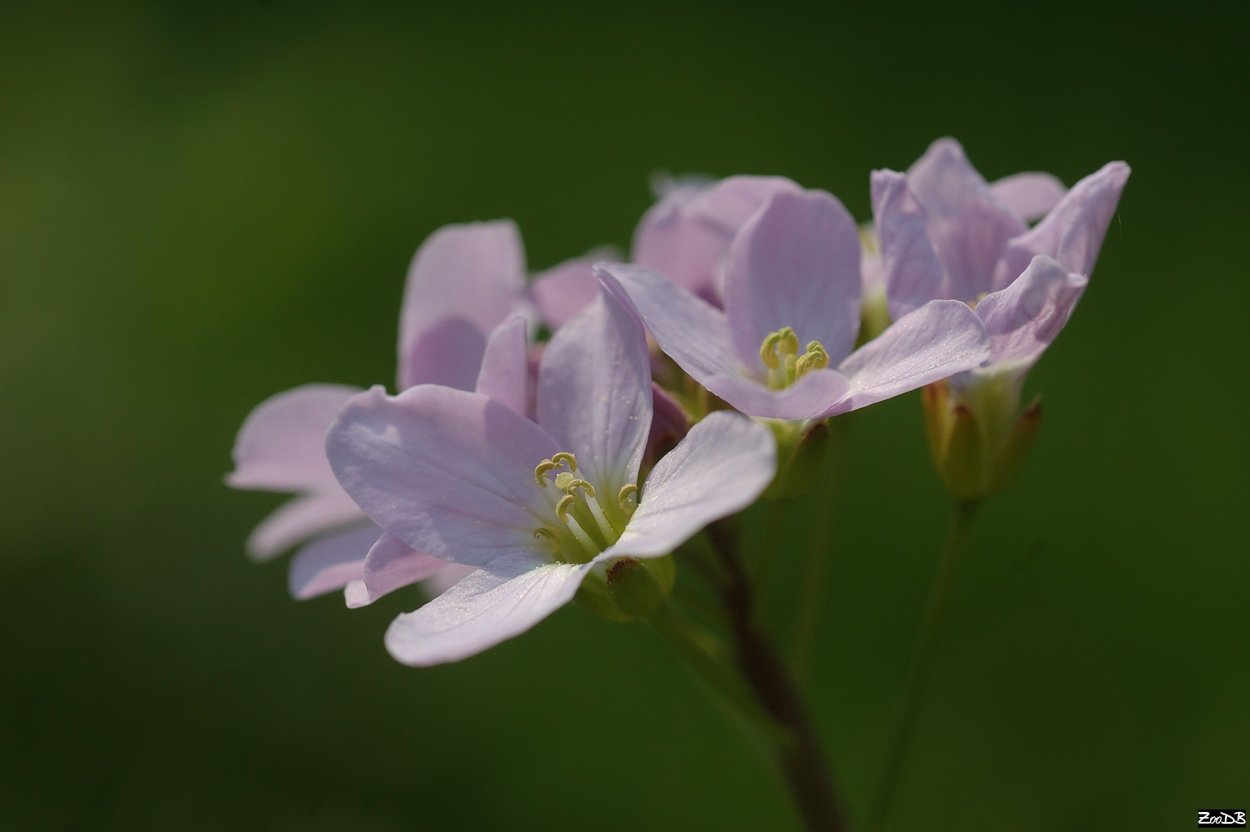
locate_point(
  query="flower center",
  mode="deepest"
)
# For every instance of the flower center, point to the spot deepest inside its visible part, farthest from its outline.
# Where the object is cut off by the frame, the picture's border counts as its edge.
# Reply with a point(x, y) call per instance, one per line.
point(585, 526)
point(780, 354)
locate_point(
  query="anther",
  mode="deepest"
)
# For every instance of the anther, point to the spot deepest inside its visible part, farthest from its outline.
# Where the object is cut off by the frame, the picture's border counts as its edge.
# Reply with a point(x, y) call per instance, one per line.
point(540, 472)
point(546, 535)
point(562, 507)
point(628, 498)
point(582, 484)
point(567, 458)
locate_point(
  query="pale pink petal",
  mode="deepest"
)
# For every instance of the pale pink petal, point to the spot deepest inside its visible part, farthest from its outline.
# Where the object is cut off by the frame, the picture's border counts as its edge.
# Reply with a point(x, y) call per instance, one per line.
point(390, 565)
point(564, 290)
point(330, 562)
point(492, 605)
point(449, 473)
point(446, 578)
point(1025, 317)
point(795, 264)
point(967, 225)
point(1029, 196)
point(448, 352)
point(807, 398)
point(1073, 231)
point(281, 446)
point(300, 519)
point(505, 374)
point(686, 235)
point(594, 391)
point(941, 338)
point(721, 467)
point(911, 270)
point(473, 274)
point(691, 331)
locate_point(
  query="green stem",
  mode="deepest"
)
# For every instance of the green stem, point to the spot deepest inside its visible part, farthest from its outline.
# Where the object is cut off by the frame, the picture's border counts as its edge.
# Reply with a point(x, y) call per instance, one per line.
point(922, 660)
point(794, 744)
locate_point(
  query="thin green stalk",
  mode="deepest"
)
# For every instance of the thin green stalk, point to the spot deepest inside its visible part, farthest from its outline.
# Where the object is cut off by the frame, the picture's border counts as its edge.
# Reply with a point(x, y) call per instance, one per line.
point(922, 660)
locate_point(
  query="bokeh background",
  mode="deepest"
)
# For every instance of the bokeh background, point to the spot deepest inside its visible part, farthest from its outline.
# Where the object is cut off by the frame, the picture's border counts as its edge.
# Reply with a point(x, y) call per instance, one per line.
point(203, 204)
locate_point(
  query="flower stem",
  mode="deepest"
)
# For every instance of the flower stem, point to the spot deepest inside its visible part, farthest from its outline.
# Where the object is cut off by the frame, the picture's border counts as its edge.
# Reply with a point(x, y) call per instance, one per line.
point(795, 744)
point(922, 660)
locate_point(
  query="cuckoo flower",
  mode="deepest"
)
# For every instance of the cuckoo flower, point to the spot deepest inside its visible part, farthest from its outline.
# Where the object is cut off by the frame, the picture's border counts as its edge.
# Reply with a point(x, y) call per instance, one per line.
point(686, 235)
point(463, 283)
point(541, 508)
point(782, 347)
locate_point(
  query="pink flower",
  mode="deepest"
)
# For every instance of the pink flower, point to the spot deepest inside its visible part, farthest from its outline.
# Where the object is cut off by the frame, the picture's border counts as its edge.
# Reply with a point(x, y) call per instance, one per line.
point(541, 508)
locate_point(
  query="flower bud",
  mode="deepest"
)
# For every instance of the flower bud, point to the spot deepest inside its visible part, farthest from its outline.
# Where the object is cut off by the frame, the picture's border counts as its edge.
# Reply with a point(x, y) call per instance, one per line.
point(978, 434)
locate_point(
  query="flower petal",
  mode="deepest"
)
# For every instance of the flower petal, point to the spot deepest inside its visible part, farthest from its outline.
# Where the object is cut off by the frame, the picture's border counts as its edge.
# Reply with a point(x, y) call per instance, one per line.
point(473, 274)
point(449, 473)
point(505, 373)
point(912, 273)
point(969, 228)
point(795, 264)
point(390, 565)
point(1073, 231)
point(281, 446)
point(722, 466)
point(300, 519)
point(489, 606)
point(686, 235)
point(1029, 196)
point(807, 398)
point(941, 338)
point(1025, 317)
point(690, 331)
point(330, 562)
point(564, 290)
point(594, 391)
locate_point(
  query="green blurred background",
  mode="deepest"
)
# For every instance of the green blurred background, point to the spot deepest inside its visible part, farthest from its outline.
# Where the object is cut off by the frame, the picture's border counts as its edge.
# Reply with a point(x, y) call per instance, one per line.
point(201, 205)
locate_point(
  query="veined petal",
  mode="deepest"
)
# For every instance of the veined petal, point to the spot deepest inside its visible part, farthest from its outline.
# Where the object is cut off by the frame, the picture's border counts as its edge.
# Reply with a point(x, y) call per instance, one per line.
point(281, 446)
point(594, 391)
point(941, 338)
point(390, 565)
point(489, 606)
point(505, 373)
point(795, 264)
point(912, 273)
point(969, 228)
point(686, 235)
point(690, 331)
point(722, 466)
point(300, 519)
point(1029, 196)
point(473, 274)
point(330, 562)
point(1073, 231)
point(564, 290)
point(449, 473)
point(1024, 318)
point(807, 398)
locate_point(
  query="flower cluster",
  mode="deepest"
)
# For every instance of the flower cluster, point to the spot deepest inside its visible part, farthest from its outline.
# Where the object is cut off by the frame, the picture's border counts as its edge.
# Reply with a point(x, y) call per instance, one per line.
point(513, 473)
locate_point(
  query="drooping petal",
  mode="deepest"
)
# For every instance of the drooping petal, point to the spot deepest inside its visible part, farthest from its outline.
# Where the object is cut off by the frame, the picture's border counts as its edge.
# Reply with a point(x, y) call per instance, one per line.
point(473, 274)
point(281, 446)
point(1073, 231)
point(686, 235)
point(1024, 318)
point(488, 607)
point(912, 273)
point(1029, 196)
point(505, 374)
point(969, 228)
point(594, 391)
point(941, 338)
point(795, 264)
point(446, 578)
point(390, 565)
point(722, 466)
point(449, 473)
point(300, 519)
point(330, 562)
point(807, 398)
point(564, 290)
point(690, 331)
